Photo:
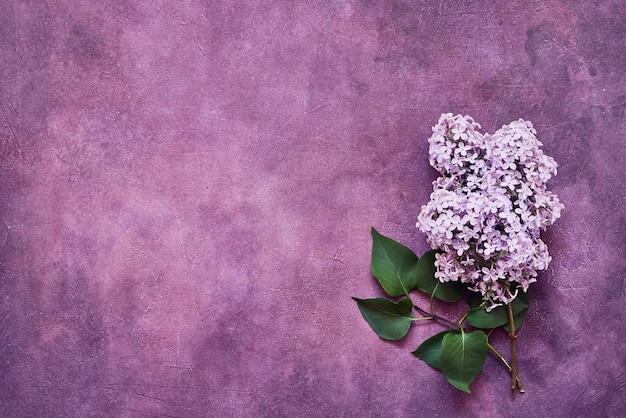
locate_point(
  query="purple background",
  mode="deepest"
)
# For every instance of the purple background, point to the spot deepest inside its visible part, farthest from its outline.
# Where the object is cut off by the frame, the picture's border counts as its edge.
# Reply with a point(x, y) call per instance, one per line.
point(187, 190)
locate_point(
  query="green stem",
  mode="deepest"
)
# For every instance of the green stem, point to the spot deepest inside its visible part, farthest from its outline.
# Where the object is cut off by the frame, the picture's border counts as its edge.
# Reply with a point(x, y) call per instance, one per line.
point(506, 364)
point(463, 319)
point(432, 296)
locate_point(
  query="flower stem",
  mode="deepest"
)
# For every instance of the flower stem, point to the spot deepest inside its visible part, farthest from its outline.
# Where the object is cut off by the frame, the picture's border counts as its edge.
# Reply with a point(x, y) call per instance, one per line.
point(512, 337)
point(506, 364)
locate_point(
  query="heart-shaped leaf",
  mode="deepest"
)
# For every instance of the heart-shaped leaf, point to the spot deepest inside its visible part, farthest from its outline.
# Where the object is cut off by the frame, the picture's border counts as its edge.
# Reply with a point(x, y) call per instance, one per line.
point(499, 316)
point(391, 321)
point(393, 265)
point(430, 350)
point(462, 357)
point(427, 282)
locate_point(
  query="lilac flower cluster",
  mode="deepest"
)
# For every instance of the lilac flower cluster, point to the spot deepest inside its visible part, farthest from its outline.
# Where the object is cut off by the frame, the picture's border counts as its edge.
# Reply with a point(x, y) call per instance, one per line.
point(488, 207)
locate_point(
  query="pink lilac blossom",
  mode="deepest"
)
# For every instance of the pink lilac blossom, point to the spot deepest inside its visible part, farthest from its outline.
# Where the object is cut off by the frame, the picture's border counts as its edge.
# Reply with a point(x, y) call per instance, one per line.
point(489, 206)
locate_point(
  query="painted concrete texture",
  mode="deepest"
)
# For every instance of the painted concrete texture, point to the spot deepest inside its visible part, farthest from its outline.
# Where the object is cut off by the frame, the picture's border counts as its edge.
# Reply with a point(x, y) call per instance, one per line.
point(187, 190)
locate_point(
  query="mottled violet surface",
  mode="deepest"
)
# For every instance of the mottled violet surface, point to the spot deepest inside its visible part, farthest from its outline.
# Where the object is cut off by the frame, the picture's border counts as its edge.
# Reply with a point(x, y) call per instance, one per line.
point(187, 190)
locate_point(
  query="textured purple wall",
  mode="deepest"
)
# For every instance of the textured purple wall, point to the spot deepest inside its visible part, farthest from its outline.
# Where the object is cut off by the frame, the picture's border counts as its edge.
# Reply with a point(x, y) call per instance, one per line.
point(187, 190)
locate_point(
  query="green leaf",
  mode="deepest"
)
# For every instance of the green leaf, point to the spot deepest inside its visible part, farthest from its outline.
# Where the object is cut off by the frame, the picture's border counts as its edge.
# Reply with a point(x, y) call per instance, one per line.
point(430, 350)
point(462, 357)
point(499, 316)
point(393, 265)
point(391, 321)
point(450, 291)
point(426, 269)
point(427, 282)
